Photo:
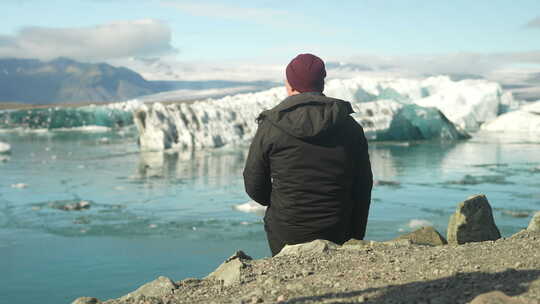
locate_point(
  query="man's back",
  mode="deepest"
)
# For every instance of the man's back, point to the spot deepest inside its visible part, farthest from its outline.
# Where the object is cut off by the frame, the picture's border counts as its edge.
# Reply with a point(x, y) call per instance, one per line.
point(309, 163)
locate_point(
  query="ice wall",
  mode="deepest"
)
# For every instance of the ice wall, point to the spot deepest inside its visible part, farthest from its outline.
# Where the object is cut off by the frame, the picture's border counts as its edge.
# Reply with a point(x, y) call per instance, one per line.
point(230, 120)
point(209, 123)
point(467, 103)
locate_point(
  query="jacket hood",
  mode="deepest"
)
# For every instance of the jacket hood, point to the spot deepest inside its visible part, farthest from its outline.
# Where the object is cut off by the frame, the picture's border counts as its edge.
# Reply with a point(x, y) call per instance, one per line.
point(308, 115)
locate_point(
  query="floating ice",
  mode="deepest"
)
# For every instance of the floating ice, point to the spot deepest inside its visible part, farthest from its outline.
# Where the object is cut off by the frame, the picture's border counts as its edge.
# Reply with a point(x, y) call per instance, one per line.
point(5, 147)
point(60, 118)
point(467, 103)
point(230, 120)
point(525, 119)
point(250, 207)
point(418, 223)
point(391, 108)
point(19, 186)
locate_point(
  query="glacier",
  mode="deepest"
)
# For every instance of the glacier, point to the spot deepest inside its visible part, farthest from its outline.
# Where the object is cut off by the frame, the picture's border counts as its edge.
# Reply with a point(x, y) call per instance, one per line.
point(388, 108)
point(524, 119)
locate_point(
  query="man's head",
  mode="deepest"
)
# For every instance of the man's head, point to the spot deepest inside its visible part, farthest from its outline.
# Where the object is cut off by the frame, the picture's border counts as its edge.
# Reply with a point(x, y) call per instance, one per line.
point(305, 73)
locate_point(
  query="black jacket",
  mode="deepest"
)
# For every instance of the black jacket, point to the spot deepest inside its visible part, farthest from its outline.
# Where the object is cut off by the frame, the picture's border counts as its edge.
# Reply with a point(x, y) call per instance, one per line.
point(309, 163)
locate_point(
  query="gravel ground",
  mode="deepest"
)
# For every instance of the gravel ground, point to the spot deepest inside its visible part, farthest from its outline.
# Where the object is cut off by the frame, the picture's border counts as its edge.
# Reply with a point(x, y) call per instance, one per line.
point(378, 273)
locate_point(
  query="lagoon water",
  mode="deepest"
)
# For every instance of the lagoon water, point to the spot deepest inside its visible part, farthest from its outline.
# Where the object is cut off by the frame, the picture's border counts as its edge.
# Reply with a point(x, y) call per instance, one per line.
point(172, 214)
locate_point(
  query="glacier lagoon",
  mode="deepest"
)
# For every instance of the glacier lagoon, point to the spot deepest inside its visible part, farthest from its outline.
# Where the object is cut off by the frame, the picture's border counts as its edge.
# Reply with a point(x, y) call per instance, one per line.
point(181, 213)
point(173, 213)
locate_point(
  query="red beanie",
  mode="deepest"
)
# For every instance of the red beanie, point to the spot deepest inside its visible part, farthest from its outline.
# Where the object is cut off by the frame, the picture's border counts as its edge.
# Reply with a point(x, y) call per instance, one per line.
point(306, 73)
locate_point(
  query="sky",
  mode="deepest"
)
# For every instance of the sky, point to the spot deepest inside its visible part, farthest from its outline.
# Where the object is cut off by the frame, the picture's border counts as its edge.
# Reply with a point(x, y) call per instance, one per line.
point(463, 36)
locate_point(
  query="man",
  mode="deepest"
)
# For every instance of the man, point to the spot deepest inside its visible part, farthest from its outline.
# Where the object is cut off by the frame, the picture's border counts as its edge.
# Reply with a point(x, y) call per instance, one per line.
point(309, 163)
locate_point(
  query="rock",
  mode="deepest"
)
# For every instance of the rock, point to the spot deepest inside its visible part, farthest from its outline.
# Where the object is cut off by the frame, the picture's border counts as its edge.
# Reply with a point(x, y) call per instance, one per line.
point(230, 272)
point(534, 224)
point(424, 236)
point(239, 255)
point(316, 246)
point(495, 297)
point(158, 288)
point(472, 222)
point(355, 242)
point(398, 243)
point(86, 300)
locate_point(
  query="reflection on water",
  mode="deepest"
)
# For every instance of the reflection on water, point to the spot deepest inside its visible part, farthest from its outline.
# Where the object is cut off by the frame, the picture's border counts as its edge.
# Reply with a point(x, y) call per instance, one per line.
point(212, 168)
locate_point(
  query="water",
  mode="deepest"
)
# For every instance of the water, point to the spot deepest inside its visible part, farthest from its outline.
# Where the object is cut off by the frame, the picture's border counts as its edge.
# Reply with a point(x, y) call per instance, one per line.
point(171, 214)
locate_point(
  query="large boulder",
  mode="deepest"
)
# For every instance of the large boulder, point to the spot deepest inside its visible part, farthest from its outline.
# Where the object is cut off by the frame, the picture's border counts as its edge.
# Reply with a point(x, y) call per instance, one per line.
point(86, 300)
point(230, 272)
point(534, 224)
point(158, 288)
point(313, 247)
point(424, 236)
point(472, 222)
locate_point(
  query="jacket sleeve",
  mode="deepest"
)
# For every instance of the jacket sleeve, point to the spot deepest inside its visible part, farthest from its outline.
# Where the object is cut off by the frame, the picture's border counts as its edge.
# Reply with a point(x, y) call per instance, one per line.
point(257, 180)
point(362, 185)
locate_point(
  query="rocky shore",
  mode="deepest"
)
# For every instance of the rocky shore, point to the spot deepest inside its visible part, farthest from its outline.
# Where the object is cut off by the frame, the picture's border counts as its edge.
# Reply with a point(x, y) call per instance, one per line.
point(475, 266)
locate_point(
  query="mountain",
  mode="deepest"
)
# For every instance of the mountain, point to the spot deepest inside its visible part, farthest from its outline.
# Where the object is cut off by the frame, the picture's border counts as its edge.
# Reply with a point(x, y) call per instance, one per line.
point(67, 81)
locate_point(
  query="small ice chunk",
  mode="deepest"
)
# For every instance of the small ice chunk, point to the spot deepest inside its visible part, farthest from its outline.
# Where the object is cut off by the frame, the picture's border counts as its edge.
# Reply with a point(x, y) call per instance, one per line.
point(152, 226)
point(250, 207)
point(418, 223)
point(5, 147)
point(77, 206)
point(19, 186)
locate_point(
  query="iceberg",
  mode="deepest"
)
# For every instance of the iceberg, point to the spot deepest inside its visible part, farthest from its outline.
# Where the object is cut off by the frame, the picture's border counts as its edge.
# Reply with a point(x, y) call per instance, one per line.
point(107, 116)
point(214, 123)
point(524, 119)
point(388, 108)
point(467, 103)
point(5, 148)
point(200, 124)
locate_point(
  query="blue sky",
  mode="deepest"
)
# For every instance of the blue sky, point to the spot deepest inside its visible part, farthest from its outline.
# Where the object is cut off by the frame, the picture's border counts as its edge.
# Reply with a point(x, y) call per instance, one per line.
point(272, 31)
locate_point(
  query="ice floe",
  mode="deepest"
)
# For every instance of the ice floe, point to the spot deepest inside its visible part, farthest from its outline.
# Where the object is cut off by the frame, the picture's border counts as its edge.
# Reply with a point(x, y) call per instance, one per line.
point(524, 119)
point(250, 207)
point(5, 148)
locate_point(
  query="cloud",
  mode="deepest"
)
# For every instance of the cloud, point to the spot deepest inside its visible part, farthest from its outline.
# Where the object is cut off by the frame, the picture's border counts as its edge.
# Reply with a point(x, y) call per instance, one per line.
point(453, 63)
point(534, 23)
point(276, 18)
point(222, 11)
point(146, 37)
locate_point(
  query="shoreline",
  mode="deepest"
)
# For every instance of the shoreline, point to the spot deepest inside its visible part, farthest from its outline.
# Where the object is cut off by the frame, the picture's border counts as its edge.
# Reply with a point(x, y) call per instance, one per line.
point(371, 272)
point(475, 266)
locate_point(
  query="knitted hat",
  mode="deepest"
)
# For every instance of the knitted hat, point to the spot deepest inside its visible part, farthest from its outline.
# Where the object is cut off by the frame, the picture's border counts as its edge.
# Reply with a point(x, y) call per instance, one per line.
point(305, 73)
